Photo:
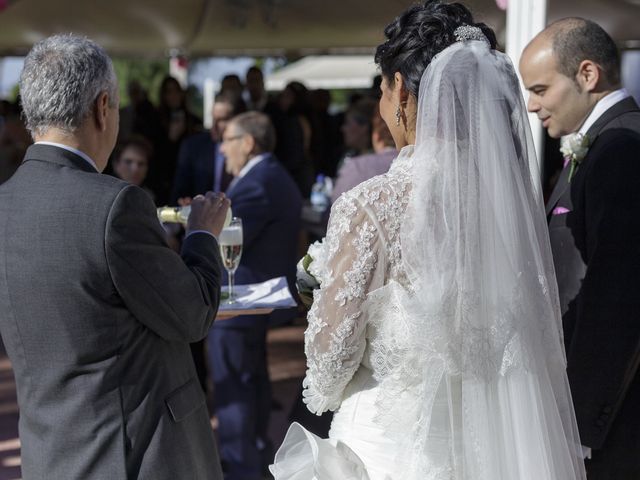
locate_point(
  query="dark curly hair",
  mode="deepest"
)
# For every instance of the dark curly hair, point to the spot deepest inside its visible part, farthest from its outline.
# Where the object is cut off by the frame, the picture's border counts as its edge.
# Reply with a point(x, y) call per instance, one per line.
point(418, 35)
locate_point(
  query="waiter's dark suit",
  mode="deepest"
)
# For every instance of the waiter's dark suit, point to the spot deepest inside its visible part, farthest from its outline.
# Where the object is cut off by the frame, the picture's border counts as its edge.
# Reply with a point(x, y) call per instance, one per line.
point(97, 313)
point(596, 249)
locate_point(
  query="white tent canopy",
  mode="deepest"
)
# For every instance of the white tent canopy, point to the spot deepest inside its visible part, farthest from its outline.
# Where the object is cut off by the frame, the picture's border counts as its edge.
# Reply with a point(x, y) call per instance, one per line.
point(329, 71)
point(259, 27)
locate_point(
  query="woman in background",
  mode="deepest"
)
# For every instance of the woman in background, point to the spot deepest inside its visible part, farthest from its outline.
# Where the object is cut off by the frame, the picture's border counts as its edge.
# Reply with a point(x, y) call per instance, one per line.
point(131, 162)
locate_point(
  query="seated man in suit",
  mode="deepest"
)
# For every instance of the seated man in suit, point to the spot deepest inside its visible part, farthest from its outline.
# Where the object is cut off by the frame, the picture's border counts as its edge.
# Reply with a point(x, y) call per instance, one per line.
point(200, 163)
point(97, 310)
point(265, 197)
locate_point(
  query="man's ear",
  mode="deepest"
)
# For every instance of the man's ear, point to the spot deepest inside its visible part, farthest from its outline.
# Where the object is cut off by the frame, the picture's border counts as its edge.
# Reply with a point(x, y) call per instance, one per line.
point(248, 145)
point(589, 75)
point(101, 111)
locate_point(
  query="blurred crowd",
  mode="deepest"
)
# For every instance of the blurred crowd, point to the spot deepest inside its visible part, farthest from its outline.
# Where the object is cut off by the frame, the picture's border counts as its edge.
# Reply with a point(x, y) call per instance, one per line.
point(165, 148)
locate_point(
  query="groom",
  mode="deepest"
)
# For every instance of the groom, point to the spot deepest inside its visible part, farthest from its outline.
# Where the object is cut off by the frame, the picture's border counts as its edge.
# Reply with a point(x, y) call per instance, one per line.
point(571, 70)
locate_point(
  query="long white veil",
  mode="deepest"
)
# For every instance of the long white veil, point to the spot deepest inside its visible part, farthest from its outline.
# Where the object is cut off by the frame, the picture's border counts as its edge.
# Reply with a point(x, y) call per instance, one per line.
point(485, 324)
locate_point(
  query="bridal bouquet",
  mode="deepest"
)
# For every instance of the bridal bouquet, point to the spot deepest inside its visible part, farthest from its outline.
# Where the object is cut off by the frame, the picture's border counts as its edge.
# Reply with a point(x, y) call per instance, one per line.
point(308, 272)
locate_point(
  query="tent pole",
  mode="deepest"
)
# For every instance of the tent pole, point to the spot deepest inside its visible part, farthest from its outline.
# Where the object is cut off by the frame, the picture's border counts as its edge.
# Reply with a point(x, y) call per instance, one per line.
point(525, 19)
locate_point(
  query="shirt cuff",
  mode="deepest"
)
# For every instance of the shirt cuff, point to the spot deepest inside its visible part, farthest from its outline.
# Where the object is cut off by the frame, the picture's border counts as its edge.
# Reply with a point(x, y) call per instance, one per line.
point(200, 231)
point(586, 452)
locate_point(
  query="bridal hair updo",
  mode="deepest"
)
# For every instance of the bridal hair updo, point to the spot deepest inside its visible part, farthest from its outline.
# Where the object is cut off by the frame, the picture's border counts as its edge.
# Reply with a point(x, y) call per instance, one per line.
point(418, 35)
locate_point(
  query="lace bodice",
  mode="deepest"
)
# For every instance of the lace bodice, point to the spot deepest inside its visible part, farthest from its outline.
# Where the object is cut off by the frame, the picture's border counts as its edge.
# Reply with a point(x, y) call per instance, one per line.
point(361, 254)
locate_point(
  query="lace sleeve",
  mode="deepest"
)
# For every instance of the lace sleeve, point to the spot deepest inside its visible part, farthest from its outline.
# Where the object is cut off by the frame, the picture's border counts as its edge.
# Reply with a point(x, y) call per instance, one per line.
point(335, 338)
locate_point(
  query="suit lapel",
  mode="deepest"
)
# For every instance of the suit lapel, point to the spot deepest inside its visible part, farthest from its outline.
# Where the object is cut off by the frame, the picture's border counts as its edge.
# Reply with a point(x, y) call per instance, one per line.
point(559, 189)
point(623, 106)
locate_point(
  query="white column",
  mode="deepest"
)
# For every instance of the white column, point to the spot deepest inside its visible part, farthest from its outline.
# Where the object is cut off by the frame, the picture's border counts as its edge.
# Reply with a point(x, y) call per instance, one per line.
point(525, 19)
point(631, 72)
point(209, 94)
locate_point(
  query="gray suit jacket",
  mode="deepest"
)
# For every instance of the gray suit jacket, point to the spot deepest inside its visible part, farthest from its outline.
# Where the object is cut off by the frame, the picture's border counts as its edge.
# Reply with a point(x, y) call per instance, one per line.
point(97, 316)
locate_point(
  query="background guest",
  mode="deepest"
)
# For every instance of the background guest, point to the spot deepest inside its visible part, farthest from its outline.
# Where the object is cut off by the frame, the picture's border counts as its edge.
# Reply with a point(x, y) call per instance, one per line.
point(356, 128)
point(131, 161)
point(256, 96)
point(14, 139)
point(356, 170)
point(265, 197)
point(200, 163)
point(291, 117)
point(178, 123)
point(326, 139)
point(231, 84)
point(140, 117)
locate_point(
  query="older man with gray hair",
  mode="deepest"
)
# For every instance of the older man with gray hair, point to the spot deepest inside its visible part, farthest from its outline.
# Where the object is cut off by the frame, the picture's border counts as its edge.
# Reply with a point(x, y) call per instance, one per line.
point(97, 311)
point(268, 201)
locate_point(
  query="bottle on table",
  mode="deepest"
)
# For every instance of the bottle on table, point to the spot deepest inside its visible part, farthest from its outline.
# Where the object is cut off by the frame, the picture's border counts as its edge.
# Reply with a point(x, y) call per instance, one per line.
point(321, 193)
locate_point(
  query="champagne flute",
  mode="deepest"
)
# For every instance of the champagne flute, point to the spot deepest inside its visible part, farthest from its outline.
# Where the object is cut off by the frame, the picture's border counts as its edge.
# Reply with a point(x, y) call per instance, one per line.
point(230, 242)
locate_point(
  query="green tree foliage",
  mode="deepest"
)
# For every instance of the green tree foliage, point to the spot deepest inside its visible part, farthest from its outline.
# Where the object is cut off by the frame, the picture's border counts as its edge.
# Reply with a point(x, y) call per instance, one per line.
point(149, 73)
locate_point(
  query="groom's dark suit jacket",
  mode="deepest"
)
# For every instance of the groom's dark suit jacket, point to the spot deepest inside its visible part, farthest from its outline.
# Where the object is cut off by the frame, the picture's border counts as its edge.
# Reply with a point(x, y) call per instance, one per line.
point(97, 314)
point(596, 249)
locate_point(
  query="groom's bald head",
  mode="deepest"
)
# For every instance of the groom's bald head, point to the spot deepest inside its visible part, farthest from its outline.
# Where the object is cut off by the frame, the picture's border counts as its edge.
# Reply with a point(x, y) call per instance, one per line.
point(568, 68)
point(573, 40)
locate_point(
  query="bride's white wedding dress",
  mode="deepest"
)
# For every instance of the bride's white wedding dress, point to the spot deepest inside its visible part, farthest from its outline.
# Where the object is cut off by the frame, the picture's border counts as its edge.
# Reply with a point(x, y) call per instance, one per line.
point(348, 345)
point(435, 335)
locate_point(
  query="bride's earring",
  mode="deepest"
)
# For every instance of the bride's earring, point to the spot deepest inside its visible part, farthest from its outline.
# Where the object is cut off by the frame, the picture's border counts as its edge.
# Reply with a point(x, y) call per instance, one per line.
point(398, 116)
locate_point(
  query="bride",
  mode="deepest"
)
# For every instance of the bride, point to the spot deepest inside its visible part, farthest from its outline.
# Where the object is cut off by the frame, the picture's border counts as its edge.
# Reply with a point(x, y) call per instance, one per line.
point(436, 335)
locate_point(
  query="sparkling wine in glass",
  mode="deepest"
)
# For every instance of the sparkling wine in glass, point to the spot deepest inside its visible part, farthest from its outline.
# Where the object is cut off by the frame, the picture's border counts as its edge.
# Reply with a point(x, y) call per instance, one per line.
point(231, 251)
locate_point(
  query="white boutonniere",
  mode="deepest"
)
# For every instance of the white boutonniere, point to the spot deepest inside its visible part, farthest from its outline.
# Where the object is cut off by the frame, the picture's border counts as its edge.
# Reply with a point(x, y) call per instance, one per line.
point(309, 272)
point(574, 148)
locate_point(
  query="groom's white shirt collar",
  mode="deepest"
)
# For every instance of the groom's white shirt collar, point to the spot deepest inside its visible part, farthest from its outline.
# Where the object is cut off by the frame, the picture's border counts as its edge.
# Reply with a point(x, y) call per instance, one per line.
point(72, 150)
point(604, 104)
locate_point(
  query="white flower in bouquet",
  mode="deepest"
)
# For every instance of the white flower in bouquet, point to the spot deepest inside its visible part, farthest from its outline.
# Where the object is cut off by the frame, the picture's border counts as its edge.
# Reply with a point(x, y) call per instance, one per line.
point(317, 260)
point(309, 272)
